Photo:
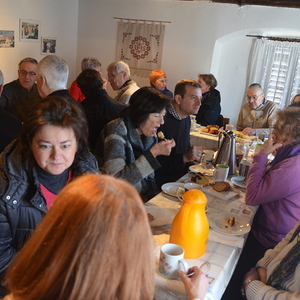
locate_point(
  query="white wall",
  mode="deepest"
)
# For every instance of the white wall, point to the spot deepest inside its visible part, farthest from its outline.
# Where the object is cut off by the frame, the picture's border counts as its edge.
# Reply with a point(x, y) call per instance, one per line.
point(202, 37)
point(59, 18)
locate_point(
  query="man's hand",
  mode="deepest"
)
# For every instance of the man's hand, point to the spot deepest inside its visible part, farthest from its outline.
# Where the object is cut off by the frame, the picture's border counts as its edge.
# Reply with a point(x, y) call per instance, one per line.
point(249, 131)
point(194, 153)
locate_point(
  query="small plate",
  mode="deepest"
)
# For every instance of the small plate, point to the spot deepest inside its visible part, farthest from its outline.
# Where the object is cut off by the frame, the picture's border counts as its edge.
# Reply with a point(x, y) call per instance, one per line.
point(170, 188)
point(162, 216)
point(219, 223)
point(239, 181)
point(199, 168)
point(225, 195)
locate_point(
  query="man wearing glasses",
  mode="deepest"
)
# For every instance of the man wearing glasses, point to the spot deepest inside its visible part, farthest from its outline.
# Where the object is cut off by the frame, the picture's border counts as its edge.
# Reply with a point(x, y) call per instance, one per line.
point(118, 75)
point(258, 114)
point(20, 95)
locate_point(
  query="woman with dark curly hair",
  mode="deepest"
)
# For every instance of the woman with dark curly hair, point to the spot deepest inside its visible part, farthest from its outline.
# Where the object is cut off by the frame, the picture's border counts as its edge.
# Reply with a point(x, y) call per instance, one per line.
point(129, 145)
point(51, 150)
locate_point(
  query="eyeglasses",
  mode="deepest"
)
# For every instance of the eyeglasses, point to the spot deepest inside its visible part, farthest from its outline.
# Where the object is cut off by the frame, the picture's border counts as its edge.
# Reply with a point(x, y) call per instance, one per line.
point(255, 97)
point(24, 73)
point(111, 76)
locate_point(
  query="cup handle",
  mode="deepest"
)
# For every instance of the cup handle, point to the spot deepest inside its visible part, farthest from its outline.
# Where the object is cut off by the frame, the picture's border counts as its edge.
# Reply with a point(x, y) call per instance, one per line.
point(215, 173)
point(179, 195)
point(183, 265)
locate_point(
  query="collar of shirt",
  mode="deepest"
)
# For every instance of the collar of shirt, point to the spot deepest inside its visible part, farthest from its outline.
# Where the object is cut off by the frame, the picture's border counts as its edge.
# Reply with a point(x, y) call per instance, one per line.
point(173, 112)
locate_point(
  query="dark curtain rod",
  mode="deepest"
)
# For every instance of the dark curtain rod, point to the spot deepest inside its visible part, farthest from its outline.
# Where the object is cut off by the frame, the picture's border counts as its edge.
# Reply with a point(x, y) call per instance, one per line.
point(273, 38)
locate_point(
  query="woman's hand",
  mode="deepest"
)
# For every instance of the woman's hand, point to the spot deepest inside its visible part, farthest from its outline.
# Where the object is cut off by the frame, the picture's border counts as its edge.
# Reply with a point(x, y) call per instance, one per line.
point(163, 148)
point(197, 285)
point(262, 272)
point(251, 275)
point(249, 131)
point(270, 146)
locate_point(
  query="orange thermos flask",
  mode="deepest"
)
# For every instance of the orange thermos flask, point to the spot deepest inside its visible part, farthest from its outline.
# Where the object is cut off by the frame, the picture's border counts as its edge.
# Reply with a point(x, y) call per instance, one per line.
point(190, 226)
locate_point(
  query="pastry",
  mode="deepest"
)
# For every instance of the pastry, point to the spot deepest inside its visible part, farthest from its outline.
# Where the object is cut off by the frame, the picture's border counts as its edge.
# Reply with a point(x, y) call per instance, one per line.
point(202, 179)
point(161, 135)
point(231, 221)
point(150, 217)
point(221, 186)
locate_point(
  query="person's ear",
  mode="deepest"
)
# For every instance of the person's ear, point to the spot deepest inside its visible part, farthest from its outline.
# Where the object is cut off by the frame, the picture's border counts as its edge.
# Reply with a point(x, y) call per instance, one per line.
point(177, 99)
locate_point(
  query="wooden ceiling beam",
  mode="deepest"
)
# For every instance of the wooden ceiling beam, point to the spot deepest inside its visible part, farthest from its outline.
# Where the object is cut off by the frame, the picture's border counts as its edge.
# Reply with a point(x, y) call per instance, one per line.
point(276, 3)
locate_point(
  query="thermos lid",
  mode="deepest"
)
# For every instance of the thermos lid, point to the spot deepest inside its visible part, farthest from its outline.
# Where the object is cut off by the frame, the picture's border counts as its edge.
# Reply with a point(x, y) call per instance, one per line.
point(194, 196)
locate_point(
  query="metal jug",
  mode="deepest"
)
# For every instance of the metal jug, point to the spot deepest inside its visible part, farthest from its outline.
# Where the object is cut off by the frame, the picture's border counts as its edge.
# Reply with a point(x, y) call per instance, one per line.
point(226, 153)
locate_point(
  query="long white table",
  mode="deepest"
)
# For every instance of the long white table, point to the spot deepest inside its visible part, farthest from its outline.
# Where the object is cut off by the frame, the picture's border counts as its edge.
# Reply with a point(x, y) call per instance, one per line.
point(222, 253)
point(199, 138)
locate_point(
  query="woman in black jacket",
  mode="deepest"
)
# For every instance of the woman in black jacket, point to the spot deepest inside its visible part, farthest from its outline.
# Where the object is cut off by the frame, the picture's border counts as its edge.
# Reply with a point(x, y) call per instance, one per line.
point(51, 150)
point(210, 108)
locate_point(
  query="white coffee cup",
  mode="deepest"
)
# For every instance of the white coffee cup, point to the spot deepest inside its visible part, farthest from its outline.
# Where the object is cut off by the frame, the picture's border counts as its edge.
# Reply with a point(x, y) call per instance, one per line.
point(171, 261)
point(186, 187)
point(221, 172)
point(207, 157)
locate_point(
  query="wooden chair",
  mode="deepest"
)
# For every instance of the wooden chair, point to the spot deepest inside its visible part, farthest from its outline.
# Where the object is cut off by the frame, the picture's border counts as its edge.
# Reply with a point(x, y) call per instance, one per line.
point(222, 122)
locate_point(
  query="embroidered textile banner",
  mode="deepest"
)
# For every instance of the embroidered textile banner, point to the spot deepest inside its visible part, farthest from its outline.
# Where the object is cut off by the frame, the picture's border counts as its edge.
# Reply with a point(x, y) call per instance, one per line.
point(140, 45)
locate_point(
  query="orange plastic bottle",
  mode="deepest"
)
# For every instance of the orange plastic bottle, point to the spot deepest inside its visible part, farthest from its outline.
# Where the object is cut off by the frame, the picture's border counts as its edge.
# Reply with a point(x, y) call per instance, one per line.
point(190, 226)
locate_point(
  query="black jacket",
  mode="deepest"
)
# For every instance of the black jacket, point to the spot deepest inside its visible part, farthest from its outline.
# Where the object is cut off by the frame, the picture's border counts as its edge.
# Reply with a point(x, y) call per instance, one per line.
point(210, 108)
point(22, 204)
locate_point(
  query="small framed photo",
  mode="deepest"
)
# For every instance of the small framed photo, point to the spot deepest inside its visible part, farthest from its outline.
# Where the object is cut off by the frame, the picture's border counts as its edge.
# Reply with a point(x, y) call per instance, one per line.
point(7, 39)
point(30, 30)
point(48, 45)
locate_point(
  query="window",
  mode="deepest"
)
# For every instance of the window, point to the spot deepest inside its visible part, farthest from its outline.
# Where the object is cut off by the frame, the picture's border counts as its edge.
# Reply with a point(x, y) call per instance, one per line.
point(276, 66)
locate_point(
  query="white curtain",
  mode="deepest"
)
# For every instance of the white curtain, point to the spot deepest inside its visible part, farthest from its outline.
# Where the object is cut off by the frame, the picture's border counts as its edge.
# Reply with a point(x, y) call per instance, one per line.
point(275, 65)
point(140, 45)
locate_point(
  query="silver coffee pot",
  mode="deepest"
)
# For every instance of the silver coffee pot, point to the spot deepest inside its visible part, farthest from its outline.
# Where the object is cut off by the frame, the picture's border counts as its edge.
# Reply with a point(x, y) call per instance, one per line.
point(226, 153)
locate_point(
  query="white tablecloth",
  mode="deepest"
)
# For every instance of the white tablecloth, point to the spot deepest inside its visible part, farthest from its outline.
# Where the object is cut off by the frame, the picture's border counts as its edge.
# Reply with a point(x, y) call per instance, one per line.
point(222, 251)
point(209, 141)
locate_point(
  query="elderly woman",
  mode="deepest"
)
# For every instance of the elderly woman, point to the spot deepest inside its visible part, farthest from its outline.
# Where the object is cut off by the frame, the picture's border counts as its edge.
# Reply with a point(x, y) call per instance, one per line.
point(276, 188)
point(276, 275)
point(92, 245)
point(51, 150)
point(158, 80)
point(210, 108)
point(128, 146)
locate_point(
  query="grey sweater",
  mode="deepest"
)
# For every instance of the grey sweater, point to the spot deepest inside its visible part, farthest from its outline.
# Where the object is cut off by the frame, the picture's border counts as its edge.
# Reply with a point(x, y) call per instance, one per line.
point(290, 289)
point(124, 154)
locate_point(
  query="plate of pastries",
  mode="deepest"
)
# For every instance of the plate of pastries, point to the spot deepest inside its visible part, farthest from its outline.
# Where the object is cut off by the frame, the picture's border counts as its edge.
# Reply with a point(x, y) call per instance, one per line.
point(211, 129)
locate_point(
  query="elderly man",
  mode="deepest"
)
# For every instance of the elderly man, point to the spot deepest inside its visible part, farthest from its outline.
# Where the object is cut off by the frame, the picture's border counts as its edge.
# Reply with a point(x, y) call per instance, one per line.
point(118, 75)
point(10, 126)
point(52, 77)
point(20, 95)
point(187, 101)
point(258, 114)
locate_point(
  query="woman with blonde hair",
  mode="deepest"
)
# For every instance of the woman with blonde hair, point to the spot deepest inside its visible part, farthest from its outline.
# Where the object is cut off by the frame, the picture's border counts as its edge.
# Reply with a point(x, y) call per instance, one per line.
point(95, 243)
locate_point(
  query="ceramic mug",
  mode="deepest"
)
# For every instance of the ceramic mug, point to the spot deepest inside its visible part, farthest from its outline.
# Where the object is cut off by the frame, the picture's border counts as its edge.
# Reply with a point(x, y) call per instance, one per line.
point(171, 261)
point(207, 157)
point(187, 186)
point(221, 172)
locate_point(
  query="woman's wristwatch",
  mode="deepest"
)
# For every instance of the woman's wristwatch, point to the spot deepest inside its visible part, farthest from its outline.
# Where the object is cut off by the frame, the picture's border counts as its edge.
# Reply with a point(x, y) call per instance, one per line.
point(243, 286)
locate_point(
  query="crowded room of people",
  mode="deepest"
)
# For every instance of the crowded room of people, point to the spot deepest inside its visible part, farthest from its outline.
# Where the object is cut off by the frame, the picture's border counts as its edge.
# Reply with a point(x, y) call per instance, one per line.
point(149, 150)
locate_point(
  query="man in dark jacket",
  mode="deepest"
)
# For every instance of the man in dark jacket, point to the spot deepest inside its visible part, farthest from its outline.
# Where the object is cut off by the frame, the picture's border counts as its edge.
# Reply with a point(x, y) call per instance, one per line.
point(20, 95)
point(99, 107)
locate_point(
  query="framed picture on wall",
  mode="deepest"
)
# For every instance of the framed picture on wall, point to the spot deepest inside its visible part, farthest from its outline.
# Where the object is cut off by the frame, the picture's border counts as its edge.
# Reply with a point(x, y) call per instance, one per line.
point(48, 45)
point(7, 39)
point(30, 30)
